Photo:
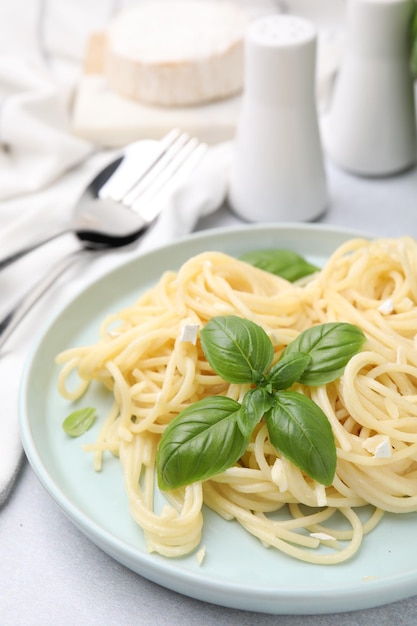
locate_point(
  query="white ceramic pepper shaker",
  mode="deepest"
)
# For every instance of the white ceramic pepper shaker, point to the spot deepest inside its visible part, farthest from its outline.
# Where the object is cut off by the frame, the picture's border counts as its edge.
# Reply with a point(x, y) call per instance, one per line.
point(277, 171)
point(370, 127)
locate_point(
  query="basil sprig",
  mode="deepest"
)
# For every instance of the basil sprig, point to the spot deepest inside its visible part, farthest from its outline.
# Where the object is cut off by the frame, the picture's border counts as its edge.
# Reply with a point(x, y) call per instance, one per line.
point(284, 263)
point(211, 435)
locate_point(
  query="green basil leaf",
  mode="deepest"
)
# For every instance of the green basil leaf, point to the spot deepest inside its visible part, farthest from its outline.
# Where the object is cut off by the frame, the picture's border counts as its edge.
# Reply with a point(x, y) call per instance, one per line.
point(237, 349)
point(255, 403)
point(203, 440)
point(413, 23)
point(284, 263)
point(413, 59)
point(330, 347)
point(301, 432)
point(287, 370)
point(78, 422)
point(413, 38)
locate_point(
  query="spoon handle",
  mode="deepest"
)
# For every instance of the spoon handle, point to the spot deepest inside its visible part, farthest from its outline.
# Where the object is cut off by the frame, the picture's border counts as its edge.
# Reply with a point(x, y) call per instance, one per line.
point(11, 257)
point(13, 318)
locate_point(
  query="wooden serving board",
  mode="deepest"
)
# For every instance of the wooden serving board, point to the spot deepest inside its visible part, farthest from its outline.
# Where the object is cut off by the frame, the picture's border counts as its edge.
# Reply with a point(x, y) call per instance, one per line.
point(104, 117)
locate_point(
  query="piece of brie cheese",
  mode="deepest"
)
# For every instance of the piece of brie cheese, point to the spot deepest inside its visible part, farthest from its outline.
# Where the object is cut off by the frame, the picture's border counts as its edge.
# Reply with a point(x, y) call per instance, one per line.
point(176, 53)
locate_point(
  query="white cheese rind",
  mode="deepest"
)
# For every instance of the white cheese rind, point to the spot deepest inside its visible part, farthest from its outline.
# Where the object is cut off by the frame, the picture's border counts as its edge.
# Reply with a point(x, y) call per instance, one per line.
point(176, 54)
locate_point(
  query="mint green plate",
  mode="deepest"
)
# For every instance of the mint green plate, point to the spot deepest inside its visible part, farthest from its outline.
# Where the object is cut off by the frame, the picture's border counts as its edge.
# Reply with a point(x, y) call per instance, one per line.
point(237, 571)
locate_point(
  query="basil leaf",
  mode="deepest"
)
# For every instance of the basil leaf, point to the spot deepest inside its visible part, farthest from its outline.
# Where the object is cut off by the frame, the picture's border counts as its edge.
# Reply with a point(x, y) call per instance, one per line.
point(255, 403)
point(78, 422)
point(237, 349)
point(287, 370)
point(330, 347)
point(284, 263)
point(300, 431)
point(203, 440)
point(413, 37)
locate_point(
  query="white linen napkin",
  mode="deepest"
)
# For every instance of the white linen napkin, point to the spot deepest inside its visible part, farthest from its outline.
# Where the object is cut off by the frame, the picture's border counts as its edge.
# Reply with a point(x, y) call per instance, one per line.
point(37, 145)
point(11, 452)
point(198, 196)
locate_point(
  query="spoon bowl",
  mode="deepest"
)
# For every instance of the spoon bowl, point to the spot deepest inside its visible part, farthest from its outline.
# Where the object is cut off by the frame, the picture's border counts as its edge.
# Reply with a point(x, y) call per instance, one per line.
point(125, 197)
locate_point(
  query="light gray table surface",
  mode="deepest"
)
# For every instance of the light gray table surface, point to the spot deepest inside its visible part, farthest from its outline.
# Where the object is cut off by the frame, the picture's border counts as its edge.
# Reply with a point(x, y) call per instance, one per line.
point(50, 573)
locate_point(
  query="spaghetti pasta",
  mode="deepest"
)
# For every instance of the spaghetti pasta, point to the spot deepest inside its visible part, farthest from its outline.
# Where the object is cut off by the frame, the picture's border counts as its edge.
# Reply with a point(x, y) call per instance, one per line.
point(140, 355)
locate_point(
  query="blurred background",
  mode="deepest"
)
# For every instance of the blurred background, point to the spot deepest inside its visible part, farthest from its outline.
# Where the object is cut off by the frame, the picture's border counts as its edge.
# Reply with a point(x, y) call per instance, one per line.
point(54, 37)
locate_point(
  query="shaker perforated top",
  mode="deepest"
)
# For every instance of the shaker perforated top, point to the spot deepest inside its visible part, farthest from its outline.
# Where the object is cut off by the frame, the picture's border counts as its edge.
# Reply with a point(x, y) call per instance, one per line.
point(281, 31)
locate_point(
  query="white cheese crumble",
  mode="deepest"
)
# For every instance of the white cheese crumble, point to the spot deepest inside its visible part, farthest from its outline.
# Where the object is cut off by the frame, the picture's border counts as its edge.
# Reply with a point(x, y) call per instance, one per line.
point(189, 333)
point(201, 554)
point(386, 307)
point(321, 496)
point(379, 446)
point(383, 449)
point(279, 475)
point(322, 536)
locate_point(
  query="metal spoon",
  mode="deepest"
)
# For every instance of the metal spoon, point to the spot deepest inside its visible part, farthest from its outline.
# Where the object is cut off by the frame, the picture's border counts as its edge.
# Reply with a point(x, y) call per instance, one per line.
point(113, 211)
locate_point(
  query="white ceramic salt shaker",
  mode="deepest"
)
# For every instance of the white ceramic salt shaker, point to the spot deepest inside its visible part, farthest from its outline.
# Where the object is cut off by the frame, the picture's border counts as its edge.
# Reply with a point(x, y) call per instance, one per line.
point(370, 127)
point(277, 170)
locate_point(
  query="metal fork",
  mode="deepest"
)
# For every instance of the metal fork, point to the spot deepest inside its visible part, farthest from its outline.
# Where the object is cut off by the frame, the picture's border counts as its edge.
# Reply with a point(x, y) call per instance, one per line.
point(124, 201)
point(119, 203)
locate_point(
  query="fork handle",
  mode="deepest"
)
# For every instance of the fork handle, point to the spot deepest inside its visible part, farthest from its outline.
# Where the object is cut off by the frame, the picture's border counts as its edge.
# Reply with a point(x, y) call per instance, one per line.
point(13, 318)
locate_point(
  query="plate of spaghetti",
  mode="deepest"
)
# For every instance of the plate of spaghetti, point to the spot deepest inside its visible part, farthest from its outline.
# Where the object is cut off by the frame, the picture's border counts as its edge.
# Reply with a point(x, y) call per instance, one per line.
point(262, 535)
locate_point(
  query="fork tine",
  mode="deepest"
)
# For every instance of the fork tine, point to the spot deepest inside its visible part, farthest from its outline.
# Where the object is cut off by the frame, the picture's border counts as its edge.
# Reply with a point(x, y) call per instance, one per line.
point(154, 172)
point(161, 174)
point(176, 170)
point(129, 173)
point(170, 160)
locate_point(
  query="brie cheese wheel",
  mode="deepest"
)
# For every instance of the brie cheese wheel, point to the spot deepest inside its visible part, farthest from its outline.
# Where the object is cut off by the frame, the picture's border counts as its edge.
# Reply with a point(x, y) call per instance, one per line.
point(176, 53)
